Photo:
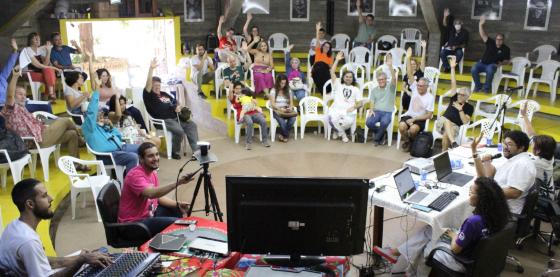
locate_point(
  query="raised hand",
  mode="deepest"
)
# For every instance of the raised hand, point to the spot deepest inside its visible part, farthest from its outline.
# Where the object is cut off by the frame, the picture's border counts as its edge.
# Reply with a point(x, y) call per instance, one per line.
point(475, 142)
point(74, 43)
point(14, 45)
point(358, 4)
point(16, 71)
point(339, 56)
point(290, 47)
point(249, 16)
point(318, 26)
point(222, 19)
point(389, 59)
point(446, 12)
point(482, 20)
point(49, 45)
point(409, 52)
point(523, 109)
point(153, 63)
point(423, 43)
point(453, 61)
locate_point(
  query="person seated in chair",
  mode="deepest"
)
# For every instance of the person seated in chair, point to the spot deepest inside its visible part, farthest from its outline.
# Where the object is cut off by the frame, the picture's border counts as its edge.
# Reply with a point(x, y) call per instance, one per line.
point(413, 73)
point(366, 31)
point(457, 40)
point(21, 250)
point(313, 44)
point(347, 99)
point(144, 200)
point(382, 103)
point(458, 112)
point(490, 215)
point(296, 78)
point(517, 175)
point(60, 54)
point(161, 105)
point(235, 72)
point(227, 45)
point(421, 108)
point(202, 69)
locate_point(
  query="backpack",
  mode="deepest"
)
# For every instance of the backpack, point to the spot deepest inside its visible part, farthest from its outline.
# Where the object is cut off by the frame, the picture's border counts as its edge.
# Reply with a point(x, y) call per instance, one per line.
point(422, 145)
point(384, 45)
point(211, 42)
point(15, 146)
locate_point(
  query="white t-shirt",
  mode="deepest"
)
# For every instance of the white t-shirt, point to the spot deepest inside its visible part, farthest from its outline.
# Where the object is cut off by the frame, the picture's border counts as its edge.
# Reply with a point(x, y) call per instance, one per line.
point(345, 96)
point(27, 53)
point(195, 60)
point(545, 170)
point(420, 104)
point(21, 251)
point(518, 172)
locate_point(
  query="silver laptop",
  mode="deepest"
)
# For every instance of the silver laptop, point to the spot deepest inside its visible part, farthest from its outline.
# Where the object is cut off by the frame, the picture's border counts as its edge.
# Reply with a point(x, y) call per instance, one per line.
point(445, 173)
point(408, 192)
point(209, 245)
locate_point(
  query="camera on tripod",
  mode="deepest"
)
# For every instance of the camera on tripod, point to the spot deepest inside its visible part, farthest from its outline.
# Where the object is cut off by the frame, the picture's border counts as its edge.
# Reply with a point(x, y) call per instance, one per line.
point(203, 155)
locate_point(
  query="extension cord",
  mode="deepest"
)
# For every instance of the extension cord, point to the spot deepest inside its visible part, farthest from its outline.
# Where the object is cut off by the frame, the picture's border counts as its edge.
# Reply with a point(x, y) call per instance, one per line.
point(367, 272)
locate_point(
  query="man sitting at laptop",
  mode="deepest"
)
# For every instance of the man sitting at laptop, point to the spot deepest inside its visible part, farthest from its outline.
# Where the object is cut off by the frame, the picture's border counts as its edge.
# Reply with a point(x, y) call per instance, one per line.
point(517, 175)
point(143, 199)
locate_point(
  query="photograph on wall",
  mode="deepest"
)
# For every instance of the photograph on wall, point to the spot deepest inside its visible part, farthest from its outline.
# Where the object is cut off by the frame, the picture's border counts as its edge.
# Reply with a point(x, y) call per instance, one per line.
point(537, 15)
point(256, 6)
point(194, 10)
point(299, 10)
point(492, 9)
point(368, 7)
point(403, 7)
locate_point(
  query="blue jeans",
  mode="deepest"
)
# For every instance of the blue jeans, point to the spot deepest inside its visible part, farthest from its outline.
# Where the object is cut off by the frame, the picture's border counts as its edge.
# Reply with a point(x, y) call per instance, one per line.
point(446, 52)
point(127, 156)
point(162, 218)
point(249, 120)
point(479, 67)
point(285, 124)
point(384, 119)
point(299, 93)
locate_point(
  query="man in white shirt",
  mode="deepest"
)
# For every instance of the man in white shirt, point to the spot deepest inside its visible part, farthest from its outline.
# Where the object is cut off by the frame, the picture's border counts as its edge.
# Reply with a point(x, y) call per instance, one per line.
point(421, 109)
point(517, 175)
point(200, 64)
point(21, 251)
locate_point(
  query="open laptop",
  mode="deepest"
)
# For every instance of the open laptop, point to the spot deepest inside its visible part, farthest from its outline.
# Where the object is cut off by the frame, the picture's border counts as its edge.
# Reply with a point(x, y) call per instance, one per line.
point(445, 173)
point(408, 192)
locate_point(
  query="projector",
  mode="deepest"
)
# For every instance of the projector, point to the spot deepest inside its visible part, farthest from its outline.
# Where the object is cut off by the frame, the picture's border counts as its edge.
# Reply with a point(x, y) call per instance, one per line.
point(416, 165)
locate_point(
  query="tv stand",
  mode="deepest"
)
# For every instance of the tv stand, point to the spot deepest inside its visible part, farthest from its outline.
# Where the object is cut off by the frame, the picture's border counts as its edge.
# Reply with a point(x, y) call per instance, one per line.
point(294, 260)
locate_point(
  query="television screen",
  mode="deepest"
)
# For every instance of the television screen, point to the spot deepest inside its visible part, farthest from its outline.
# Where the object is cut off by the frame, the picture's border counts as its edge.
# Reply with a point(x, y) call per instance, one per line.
point(296, 216)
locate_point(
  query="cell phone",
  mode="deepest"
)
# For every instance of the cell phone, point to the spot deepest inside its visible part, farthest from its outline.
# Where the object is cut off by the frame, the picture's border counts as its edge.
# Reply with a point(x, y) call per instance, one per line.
point(185, 221)
point(421, 208)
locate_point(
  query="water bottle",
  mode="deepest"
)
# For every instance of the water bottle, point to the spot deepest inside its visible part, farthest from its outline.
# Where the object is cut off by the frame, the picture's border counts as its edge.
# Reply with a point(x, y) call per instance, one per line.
point(488, 141)
point(500, 147)
point(423, 177)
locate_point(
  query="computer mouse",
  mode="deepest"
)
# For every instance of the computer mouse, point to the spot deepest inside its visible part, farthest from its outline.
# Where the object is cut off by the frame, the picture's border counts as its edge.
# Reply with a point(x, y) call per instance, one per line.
point(454, 192)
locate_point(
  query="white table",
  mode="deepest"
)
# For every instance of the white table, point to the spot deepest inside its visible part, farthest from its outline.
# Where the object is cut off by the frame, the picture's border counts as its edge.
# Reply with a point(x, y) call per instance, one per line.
point(451, 217)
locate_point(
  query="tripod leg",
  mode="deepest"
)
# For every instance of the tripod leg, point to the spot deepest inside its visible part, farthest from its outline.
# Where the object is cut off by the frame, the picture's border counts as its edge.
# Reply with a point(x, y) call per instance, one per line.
point(194, 194)
point(214, 200)
point(206, 204)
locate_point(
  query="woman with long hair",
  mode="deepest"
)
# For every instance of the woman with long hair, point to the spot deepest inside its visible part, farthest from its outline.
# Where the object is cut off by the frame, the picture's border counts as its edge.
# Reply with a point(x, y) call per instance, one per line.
point(490, 215)
point(106, 89)
point(414, 73)
point(282, 105)
point(36, 59)
point(323, 60)
point(129, 124)
point(263, 65)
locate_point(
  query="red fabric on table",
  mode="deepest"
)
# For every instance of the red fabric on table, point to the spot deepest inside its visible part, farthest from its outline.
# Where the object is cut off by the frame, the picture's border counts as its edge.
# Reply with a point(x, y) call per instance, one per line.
point(340, 265)
point(228, 262)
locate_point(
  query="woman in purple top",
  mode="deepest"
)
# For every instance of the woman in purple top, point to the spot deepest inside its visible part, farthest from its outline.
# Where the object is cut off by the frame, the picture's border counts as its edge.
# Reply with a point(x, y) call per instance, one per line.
point(490, 215)
point(296, 77)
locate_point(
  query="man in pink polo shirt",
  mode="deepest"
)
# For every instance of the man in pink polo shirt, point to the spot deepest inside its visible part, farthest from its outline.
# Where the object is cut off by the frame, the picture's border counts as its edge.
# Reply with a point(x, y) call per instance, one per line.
point(143, 199)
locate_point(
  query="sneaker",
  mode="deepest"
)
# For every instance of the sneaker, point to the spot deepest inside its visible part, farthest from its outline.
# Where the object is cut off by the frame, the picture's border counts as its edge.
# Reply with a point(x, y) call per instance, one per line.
point(345, 138)
point(248, 146)
point(376, 143)
point(405, 146)
point(202, 95)
point(454, 145)
point(266, 143)
point(386, 254)
point(176, 156)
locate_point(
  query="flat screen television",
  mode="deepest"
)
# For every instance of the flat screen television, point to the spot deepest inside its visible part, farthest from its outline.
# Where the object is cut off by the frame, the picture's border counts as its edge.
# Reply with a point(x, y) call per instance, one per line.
point(296, 216)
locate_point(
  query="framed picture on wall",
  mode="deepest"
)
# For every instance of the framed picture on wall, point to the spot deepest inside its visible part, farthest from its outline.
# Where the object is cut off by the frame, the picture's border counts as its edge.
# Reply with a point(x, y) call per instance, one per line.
point(368, 7)
point(299, 10)
point(492, 9)
point(256, 6)
point(403, 7)
point(194, 10)
point(537, 14)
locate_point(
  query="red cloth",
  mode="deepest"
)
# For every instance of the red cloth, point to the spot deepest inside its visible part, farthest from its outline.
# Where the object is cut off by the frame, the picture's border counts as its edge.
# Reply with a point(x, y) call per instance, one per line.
point(22, 122)
point(224, 43)
point(133, 206)
point(46, 76)
point(238, 107)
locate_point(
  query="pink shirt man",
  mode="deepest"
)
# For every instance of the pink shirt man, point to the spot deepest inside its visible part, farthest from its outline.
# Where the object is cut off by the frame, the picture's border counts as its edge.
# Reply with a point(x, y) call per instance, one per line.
point(133, 206)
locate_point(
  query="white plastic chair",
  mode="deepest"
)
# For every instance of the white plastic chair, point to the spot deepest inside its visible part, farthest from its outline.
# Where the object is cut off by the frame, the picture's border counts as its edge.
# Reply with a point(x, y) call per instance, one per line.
point(352, 129)
point(359, 72)
point(401, 113)
point(544, 52)
point(278, 42)
point(253, 76)
point(497, 100)
point(389, 129)
point(238, 40)
point(16, 167)
point(341, 42)
point(237, 126)
point(35, 86)
point(411, 35)
point(399, 61)
point(432, 74)
point(119, 169)
point(327, 96)
point(219, 79)
point(532, 107)
point(274, 124)
point(494, 85)
point(486, 128)
point(161, 130)
point(309, 108)
point(461, 62)
point(362, 56)
point(378, 52)
point(44, 155)
point(549, 76)
point(518, 67)
point(83, 182)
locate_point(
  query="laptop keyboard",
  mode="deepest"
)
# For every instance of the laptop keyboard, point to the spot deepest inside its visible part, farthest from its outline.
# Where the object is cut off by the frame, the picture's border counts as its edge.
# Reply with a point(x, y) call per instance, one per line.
point(442, 201)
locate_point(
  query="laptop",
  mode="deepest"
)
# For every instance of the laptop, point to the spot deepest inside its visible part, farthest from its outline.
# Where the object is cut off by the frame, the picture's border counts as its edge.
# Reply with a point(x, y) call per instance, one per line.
point(408, 192)
point(164, 242)
point(445, 173)
point(209, 245)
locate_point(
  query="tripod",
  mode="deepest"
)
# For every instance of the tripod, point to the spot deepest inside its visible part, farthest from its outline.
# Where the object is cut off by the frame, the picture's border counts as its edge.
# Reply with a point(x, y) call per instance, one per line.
point(210, 200)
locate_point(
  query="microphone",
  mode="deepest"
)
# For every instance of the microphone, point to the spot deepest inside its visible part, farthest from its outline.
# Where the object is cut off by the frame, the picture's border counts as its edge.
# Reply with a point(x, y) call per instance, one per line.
point(515, 88)
point(496, 156)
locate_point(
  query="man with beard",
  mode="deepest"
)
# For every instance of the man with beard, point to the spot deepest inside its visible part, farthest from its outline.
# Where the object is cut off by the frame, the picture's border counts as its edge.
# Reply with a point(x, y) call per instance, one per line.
point(143, 199)
point(21, 251)
point(517, 175)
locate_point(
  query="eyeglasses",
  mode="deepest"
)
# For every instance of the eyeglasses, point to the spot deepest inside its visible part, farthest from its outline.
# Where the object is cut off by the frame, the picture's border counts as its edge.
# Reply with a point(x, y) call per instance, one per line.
point(462, 94)
point(421, 85)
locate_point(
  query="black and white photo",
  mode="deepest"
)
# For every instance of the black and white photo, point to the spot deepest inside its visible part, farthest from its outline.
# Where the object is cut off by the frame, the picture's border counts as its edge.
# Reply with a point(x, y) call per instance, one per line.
point(194, 10)
point(537, 15)
point(402, 7)
point(299, 10)
point(368, 7)
point(492, 9)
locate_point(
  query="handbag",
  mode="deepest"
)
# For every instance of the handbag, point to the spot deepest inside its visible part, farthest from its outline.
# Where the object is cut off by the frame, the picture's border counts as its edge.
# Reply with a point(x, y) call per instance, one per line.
point(286, 114)
point(296, 84)
point(185, 114)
